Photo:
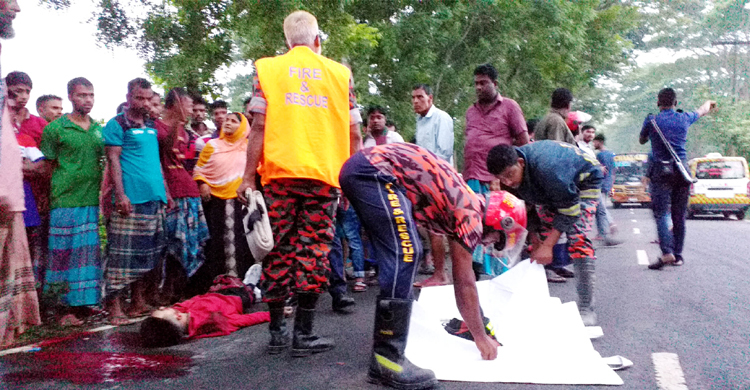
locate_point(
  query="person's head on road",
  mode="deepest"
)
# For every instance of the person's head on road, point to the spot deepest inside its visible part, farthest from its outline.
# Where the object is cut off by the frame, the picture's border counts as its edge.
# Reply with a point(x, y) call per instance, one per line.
point(19, 89)
point(219, 111)
point(421, 99)
point(505, 164)
point(165, 327)
point(157, 106)
point(301, 29)
point(376, 119)
point(599, 141)
point(561, 101)
point(485, 83)
point(667, 99)
point(588, 133)
point(81, 95)
point(8, 11)
point(139, 99)
point(49, 107)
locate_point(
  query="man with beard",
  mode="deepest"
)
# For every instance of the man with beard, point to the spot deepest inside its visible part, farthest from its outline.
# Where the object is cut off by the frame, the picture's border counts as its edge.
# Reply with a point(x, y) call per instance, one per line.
point(136, 230)
point(73, 146)
point(19, 307)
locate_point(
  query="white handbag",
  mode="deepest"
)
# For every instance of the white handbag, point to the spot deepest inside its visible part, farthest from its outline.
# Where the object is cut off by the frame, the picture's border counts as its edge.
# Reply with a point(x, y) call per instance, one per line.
point(257, 226)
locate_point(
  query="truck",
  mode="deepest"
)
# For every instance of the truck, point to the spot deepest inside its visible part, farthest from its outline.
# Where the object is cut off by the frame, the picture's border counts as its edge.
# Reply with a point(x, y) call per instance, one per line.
point(630, 183)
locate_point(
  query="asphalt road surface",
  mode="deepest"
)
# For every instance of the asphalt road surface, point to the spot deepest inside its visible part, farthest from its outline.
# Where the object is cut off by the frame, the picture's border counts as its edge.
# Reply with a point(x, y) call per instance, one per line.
point(688, 326)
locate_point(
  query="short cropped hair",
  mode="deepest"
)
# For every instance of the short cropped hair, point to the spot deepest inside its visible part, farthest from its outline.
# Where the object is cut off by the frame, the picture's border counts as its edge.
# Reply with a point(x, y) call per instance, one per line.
point(561, 98)
point(140, 83)
point(219, 104)
point(376, 108)
point(487, 70)
point(198, 99)
point(600, 137)
point(667, 98)
point(390, 123)
point(16, 78)
point(586, 127)
point(45, 98)
point(158, 333)
point(82, 81)
point(531, 124)
point(501, 157)
point(426, 88)
point(300, 28)
point(246, 101)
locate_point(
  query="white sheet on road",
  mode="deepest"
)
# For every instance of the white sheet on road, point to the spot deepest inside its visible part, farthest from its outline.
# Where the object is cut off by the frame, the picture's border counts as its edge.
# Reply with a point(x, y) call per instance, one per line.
point(544, 341)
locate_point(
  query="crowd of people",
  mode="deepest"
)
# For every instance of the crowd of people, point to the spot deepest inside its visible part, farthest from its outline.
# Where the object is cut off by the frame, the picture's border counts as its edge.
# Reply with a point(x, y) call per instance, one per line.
point(170, 191)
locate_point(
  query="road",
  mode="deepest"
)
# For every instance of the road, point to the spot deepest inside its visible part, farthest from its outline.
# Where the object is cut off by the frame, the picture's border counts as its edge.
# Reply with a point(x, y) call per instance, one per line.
point(698, 313)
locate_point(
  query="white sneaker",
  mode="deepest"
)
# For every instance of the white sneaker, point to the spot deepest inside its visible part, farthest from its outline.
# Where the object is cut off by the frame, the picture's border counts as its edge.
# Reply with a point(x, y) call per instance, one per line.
point(252, 276)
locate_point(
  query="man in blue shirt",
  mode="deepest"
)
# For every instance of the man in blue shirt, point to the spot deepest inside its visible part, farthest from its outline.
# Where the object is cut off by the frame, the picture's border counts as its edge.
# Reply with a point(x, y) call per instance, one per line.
point(136, 230)
point(669, 190)
point(604, 223)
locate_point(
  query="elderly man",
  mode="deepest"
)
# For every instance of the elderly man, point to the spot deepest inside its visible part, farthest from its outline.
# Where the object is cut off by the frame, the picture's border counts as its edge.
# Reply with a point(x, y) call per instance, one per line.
point(434, 133)
point(305, 126)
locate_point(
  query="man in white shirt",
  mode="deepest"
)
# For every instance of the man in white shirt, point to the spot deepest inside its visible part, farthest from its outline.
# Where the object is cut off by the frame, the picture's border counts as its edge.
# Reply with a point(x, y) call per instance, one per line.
point(434, 133)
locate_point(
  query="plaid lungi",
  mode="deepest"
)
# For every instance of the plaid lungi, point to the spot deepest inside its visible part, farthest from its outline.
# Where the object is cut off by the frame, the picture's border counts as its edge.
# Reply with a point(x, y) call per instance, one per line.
point(136, 242)
point(187, 233)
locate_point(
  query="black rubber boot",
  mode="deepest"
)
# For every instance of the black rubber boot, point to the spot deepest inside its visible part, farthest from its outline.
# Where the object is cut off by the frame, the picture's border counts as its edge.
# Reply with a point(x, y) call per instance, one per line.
point(277, 327)
point(388, 365)
point(305, 342)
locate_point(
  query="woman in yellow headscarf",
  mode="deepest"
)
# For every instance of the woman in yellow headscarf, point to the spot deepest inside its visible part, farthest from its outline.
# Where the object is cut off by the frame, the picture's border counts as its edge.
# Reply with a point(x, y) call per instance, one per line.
point(219, 172)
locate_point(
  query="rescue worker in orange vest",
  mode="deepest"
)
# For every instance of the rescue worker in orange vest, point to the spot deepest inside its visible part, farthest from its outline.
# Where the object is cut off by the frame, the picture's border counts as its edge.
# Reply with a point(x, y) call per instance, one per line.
point(305, 126)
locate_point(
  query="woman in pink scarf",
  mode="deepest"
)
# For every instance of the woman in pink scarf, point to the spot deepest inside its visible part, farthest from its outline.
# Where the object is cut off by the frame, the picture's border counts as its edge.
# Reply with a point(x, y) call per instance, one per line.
point(219, 172)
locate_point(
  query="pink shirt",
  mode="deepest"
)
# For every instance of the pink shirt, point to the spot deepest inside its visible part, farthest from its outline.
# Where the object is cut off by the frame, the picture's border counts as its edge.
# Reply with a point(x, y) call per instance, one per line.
point(500, 124)
point(11, 175)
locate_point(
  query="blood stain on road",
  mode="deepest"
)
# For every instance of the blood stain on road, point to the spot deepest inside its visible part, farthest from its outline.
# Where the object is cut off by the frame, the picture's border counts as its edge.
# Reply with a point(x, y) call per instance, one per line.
point(98, 367)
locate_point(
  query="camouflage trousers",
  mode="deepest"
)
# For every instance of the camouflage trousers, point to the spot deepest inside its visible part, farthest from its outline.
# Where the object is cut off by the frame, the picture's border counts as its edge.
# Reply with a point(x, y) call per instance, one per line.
point(579, 245)
point(301, 213)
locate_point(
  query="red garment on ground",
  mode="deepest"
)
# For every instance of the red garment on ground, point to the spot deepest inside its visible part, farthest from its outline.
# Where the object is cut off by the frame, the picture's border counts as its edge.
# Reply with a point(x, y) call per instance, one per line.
point(214, 315)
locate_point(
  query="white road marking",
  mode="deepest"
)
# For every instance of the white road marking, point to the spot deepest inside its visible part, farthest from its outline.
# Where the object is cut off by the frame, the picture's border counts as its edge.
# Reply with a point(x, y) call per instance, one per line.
point(633, 220)
point(642, 257)
point(669, 374)
point(636, 231)
point(632, 211)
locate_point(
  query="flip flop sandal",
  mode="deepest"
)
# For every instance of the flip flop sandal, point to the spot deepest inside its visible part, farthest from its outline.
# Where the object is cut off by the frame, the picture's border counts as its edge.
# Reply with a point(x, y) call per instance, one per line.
point(359, 287)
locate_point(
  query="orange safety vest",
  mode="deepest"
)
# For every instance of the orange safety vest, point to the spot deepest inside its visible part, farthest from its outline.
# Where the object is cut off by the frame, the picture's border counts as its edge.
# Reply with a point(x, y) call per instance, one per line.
point(307, 116)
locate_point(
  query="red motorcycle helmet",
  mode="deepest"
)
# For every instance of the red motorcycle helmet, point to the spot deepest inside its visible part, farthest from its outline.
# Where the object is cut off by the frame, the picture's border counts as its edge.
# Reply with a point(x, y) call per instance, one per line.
point(506, 214)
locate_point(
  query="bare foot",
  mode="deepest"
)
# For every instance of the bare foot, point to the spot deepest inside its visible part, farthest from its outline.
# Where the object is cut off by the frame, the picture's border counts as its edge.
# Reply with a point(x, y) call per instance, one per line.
point(138, 311)
point(432, 281)
point(70, 320)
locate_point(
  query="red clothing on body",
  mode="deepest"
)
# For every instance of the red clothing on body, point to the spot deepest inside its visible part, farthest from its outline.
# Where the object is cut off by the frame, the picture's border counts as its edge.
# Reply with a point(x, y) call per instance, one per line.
point(215, 314)
point(179, 181)
point(33, 126)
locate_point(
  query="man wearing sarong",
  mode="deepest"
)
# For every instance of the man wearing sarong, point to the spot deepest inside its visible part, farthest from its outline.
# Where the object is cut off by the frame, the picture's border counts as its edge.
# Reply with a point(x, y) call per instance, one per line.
point(305, 125)
point(19, 307)
point(136, 231)
point(74, 147)
point(187, 230)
